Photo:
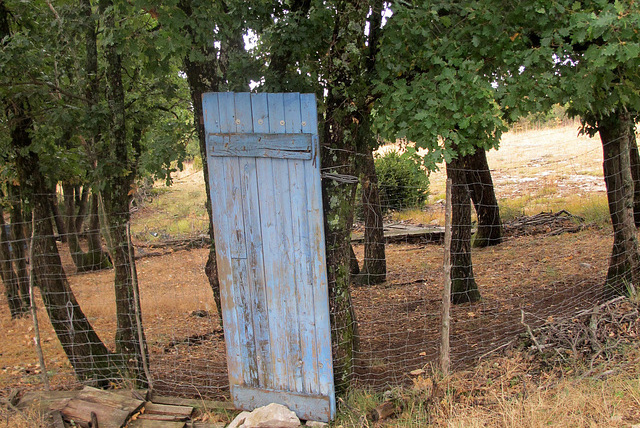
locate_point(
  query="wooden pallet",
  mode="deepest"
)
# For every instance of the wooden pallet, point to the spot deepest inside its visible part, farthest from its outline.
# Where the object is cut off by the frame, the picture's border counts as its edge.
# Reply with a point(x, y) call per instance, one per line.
point(91, 407)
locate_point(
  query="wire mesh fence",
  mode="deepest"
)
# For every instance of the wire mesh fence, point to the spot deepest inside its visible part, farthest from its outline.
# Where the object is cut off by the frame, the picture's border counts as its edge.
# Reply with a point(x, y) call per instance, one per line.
point(550, 263)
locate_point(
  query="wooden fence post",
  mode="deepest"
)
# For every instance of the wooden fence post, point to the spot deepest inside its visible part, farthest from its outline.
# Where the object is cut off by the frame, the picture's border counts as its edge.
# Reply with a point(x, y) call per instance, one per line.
point(445, 358)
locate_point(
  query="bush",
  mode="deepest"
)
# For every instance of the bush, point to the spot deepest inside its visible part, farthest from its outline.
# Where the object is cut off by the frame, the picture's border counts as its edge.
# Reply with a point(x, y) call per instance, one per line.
point(402, 181)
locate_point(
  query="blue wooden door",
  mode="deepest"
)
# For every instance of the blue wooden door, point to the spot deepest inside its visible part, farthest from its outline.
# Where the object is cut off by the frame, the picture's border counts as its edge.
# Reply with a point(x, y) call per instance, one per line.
point(264, 173)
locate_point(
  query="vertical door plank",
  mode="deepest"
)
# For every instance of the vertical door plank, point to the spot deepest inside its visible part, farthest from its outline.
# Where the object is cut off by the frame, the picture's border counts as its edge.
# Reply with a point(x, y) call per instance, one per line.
point(257, 306)
point(260, 306)
point(243, 116)
point(293, 209)
point(260, 113)
point(318, 266)
point(242, 305)
point(219, 197)
point(282, 274)
point(270, 248)
point(228, 125)
point(242, 280)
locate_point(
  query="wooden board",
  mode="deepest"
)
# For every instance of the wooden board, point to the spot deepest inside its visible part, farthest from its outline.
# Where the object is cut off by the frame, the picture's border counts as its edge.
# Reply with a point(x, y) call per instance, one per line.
point(45, 400)
point(264, 172)
point(167, 409)
point(79, 411)
point(145, 423)
point(197, 403)
point(281, 146)
point(112, 409)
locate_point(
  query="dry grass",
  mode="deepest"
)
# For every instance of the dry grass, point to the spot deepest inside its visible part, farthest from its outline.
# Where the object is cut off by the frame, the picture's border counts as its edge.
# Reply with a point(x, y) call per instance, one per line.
point(173, 211)
point(22, 419)
point(508, 391)
point(548, 162)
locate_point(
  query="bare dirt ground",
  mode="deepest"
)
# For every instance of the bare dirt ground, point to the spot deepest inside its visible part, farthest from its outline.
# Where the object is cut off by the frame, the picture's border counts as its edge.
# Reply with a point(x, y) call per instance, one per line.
point(548, 278)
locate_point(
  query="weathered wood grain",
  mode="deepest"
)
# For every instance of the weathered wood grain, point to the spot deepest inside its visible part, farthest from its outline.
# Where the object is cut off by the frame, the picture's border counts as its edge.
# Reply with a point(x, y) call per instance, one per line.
point(145, 423)
point(306, 406)
point(168, 409)
point(196, 403)
point(268, 221)
point(281, 146)
point(211, 103)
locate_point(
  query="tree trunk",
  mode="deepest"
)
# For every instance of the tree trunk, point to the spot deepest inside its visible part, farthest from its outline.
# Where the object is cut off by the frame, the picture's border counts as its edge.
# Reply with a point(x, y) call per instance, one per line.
point(20, 245)
point(72, 235)
point(116, 197)
point(98, 259)
point(339, 182)
point(202, 76)
point(623, 274)
point(484, 200)
point(128, 346)
point(57, 217)
point(337, 199)
point(94, 258)
point(374, 267)
point(9, 277)
point(81, 203)
point(463, 284)
point(355, 267)
point(635, 172)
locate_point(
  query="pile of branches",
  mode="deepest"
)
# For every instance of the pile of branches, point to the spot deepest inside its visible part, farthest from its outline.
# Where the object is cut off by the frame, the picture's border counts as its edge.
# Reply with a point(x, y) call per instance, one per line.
point(594, 335)
point(545, 223)
point(160, 248)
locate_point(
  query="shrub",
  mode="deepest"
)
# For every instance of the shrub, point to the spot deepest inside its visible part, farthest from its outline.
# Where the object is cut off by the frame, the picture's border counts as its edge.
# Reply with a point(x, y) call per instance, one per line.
point(402, 181)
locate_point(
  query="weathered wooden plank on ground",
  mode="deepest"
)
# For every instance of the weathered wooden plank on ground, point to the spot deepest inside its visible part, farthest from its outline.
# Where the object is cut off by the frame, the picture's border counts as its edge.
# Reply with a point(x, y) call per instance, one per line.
point(168, 409)
point(117, 400)
point(112, 409)
point(208, 425)
point(145, 423)
point(196, 403)
point(162, 418)
point(79, 411)
point(45, 400)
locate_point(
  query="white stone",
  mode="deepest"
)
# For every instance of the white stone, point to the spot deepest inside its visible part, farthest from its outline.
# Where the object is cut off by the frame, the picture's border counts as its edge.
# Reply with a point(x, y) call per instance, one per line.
point(239, 420)
point(316, 424)
point(271, 416)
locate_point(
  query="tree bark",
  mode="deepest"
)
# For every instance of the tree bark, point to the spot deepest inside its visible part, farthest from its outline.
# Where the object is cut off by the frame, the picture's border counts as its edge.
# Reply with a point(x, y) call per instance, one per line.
point(355, 267)
point(337, 199)
point(116, 197)
point(98, 258)
point(9, 277)
point(94, 258)
point(635, 172)
point(463, 284)
point(20, 245)
point(374, 267)
point(484, 200)
point(57, 217)
point(623, 274)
